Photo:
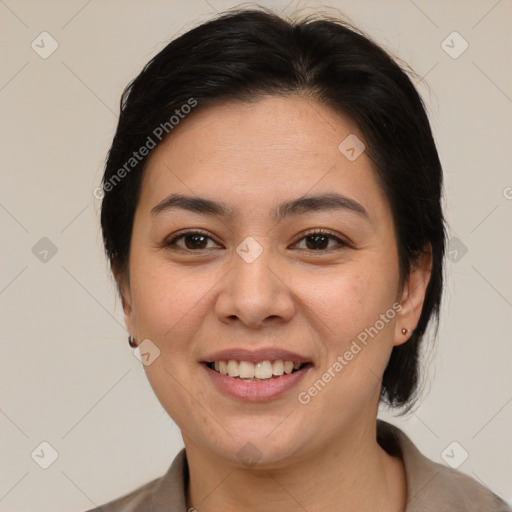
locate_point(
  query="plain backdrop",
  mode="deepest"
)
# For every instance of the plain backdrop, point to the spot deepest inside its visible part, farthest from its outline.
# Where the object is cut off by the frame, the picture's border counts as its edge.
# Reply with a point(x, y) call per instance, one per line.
point(68, 376)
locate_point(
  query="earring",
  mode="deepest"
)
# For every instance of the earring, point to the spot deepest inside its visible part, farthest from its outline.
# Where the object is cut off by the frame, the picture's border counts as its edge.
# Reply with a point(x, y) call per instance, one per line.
point(131, 342)
point(404, 331)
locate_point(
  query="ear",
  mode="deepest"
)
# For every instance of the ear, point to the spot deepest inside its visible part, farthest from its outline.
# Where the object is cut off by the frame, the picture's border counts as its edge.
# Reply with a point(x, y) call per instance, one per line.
point(123, 287)
point(413, 296)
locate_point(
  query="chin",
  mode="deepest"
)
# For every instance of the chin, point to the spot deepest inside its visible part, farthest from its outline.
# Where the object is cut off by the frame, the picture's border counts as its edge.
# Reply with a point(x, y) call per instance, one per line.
point(258, 444)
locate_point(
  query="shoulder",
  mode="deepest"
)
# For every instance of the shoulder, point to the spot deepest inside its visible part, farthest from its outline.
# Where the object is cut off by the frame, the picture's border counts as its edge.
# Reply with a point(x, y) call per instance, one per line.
point(434, 487)
point(135, 501)
point(161, 494)
point(454, 491)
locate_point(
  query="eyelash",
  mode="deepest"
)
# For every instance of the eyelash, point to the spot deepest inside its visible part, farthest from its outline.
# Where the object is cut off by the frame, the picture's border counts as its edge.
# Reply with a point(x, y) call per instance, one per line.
point(341, 243)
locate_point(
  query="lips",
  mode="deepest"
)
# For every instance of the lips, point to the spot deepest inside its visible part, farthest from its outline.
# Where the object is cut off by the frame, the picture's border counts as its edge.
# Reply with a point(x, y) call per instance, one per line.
point(256, 356)
point(259, 375)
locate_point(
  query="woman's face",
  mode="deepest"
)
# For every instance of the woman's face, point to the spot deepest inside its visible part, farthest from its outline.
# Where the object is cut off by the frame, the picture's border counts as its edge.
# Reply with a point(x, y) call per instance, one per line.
point(255, 281)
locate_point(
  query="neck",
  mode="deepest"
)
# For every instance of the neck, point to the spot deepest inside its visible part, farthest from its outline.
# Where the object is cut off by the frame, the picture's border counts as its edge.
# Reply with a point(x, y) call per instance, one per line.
point(351, 472)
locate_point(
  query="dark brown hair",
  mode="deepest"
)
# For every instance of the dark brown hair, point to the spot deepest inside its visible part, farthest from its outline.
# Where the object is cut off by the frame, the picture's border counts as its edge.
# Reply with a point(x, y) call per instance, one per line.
point(246, 54)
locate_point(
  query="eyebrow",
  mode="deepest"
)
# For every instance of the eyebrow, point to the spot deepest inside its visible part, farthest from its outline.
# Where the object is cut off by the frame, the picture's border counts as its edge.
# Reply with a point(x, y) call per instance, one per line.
point(299, 206)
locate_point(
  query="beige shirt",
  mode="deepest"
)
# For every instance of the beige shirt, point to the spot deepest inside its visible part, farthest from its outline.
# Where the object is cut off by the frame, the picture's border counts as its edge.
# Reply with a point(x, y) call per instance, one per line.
point(431, 487)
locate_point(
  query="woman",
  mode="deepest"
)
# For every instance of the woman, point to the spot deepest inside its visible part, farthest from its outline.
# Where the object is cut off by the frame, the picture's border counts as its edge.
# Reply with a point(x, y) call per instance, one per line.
point(272, 216)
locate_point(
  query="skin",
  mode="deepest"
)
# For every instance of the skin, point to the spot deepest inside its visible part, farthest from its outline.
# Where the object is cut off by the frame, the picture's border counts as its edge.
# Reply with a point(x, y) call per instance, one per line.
point(320, 456)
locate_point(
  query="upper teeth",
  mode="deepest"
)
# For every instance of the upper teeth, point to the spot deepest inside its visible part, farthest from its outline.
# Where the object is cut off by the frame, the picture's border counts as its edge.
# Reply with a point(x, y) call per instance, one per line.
point(248, 370)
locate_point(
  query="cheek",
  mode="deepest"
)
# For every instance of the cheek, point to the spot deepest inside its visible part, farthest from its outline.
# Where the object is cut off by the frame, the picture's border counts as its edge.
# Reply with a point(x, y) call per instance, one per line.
point(347, 306)
point(345, 301)
point(167, 299)
point(169, 308)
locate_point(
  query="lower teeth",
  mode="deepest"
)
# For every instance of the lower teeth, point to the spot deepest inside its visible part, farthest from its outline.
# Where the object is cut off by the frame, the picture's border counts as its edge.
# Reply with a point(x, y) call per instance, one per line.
point(255, 378)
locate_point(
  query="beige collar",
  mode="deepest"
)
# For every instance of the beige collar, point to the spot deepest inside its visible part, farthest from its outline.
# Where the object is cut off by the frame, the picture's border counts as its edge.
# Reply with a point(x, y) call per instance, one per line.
point(430, 486)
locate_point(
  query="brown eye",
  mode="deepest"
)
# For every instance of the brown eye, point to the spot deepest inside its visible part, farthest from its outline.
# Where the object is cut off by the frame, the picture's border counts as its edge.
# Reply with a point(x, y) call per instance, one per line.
point(191, 241)
point(319, 241)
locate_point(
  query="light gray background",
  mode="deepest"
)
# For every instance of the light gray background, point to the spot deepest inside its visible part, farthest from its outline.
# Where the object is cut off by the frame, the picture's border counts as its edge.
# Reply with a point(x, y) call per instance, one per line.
point(68, 376)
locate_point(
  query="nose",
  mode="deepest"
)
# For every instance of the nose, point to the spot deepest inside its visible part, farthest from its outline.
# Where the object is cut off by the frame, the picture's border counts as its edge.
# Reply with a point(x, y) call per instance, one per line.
point(254, 293)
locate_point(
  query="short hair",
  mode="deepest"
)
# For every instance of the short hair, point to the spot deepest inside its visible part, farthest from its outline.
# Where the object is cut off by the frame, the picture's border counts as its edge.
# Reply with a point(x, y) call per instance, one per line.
point(247, 54)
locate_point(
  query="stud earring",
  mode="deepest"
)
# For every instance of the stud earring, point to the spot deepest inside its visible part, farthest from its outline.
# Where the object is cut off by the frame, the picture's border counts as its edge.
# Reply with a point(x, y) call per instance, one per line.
point(404, 331)
point(131, 342)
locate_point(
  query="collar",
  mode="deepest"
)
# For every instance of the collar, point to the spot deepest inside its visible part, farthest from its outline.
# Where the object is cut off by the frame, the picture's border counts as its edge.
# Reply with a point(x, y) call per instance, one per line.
point(428, 483)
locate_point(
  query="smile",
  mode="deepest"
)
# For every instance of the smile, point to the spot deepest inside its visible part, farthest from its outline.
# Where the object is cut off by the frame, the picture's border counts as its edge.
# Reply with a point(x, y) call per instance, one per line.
point(255, 382)
point(261, 371)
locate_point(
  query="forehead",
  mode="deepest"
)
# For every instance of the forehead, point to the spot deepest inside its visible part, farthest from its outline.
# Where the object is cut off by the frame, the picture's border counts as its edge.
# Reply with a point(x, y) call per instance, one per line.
point(257, 154)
